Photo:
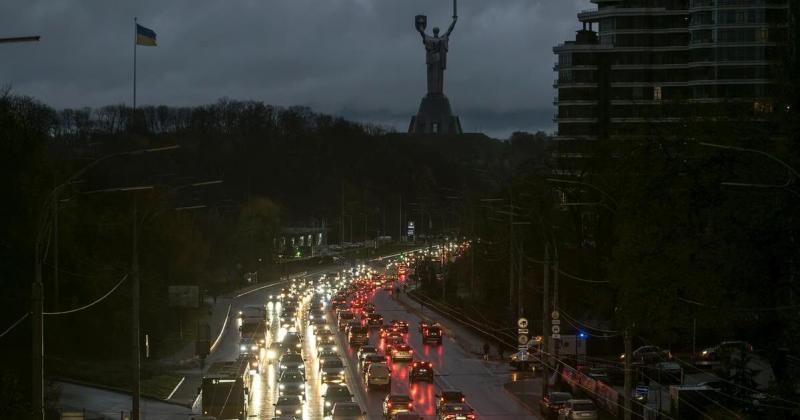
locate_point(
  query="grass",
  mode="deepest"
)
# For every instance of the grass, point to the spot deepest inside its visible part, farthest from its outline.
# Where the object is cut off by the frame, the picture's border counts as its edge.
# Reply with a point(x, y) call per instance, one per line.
point(111, 374)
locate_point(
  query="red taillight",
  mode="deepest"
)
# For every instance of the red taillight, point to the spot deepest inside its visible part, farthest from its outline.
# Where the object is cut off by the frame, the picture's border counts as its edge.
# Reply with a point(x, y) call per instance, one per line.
point(409, 406)
point(462, 399)
point(389, 404)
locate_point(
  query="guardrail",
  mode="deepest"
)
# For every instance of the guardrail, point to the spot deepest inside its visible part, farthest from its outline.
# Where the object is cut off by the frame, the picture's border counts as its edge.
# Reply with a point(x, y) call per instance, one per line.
point(462, 318)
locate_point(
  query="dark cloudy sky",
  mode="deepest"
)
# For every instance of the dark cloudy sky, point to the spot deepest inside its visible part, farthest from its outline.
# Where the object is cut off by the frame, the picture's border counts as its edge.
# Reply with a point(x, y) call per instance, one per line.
point(358, 58)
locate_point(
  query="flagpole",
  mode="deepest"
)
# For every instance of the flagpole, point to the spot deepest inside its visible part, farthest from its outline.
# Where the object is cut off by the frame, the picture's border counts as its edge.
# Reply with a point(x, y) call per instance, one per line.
point(134, 67)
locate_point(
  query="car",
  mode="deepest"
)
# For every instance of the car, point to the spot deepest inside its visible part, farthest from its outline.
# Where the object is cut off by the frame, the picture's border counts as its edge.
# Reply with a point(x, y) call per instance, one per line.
point(371, 358)
point(253, 312)
point(648, 354)
point(316, 323)
point(421, 371)
point(449, 396)
point(327, 348)
point(351, 324)
point(552, 402)
point(374, 320)
point(344, 318)
point(402, 352)
point(292, 382)
point(331, 371)
point(249, 345)
point(292, 342)
point(396, 403)
point(725, 349)
point(385, 329)
point(390, 342)
point(347, 411)
point(358, 336)
point(401, 326)
point(325, 337)
point(523, 361)
point(335, 393)
point(457, 411)
point(365, 350)
point(578, 410)
point(327, 354)
point(432, 334)
point(291, 361)
point(378, 374)
point(288, 405)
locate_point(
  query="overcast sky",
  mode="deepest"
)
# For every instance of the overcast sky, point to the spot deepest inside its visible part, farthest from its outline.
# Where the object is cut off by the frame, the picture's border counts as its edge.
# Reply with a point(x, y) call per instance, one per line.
point(361, 59)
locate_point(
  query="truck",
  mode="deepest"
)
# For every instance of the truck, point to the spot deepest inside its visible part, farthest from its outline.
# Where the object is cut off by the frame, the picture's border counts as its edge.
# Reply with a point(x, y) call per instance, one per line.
point(254, 329)
point(225, 390)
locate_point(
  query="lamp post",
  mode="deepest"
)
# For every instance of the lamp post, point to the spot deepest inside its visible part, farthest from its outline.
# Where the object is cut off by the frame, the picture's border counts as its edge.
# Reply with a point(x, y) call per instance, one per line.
point(37, 287)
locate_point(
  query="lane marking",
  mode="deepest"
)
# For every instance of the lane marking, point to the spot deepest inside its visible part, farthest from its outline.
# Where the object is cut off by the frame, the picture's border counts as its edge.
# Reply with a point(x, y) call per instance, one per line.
point(221, 331)
point(169, 397)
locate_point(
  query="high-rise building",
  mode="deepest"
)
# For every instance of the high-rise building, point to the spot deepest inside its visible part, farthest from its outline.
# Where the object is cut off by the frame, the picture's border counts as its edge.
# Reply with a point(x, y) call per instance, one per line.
point(615, 80)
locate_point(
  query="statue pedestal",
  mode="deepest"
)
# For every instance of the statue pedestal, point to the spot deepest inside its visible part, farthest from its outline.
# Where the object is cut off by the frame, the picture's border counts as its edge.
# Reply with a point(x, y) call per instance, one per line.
point(435, 117)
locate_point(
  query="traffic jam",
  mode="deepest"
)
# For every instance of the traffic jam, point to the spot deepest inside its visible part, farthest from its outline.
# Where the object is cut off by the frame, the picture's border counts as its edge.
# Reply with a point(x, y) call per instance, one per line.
point(323, 348)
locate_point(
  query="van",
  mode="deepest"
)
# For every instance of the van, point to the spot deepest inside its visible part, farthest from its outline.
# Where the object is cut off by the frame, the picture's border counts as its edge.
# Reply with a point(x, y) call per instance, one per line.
point(378, 374)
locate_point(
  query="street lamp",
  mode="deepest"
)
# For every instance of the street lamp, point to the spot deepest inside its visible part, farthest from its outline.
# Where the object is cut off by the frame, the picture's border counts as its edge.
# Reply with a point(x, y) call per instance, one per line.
point(37, 287)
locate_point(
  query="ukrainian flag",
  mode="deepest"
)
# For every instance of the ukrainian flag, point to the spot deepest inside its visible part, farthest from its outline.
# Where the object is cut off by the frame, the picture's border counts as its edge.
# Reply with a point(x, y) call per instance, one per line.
point(145, 36)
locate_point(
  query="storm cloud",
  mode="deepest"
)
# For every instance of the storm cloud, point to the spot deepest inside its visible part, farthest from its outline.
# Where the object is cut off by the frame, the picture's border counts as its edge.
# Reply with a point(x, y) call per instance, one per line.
point(361, 59)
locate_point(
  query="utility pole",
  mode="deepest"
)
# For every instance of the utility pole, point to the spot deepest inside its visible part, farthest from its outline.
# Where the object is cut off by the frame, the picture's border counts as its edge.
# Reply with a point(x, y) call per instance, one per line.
point(55, 255)
point(38, 340)
point(472, 250)
point(511, 252)
point(628, 375)
point(545, 316)
point(557, 341)
point(135, 360)
point(341, 220)
point(519, 280)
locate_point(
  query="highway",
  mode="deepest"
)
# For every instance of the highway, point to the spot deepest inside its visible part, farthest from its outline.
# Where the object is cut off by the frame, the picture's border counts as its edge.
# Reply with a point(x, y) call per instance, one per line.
point(455, 368)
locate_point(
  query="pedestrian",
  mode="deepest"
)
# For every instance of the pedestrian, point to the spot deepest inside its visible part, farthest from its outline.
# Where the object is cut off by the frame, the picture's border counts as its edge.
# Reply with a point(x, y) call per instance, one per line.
point(486, 351)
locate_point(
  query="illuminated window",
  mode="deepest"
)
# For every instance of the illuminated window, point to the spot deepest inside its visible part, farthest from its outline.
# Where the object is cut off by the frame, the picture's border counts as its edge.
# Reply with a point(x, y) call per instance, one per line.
point(762, 107)
point(657, 93)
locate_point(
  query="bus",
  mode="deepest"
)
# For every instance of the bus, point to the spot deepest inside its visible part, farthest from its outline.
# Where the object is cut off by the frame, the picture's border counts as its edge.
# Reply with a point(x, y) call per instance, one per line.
point(226, 389)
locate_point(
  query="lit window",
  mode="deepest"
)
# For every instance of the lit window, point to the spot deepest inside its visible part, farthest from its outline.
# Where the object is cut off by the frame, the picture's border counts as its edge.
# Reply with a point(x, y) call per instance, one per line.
point(657, 93)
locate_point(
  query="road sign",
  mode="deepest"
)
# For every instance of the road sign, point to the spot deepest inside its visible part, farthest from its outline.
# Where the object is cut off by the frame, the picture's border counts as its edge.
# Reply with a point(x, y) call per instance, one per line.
point(522, 331)
point(555, 315)
point(522, 323)
point(522, 339)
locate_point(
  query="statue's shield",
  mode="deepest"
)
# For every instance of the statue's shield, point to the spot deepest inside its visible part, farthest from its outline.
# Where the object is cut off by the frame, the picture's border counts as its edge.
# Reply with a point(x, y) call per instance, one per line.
point(421, 22)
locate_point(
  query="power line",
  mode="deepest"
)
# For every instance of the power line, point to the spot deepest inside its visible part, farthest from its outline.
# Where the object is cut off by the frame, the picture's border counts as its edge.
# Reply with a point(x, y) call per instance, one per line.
point(739, 309)
point(588, 326)
point(14, 325)
point(91, 304)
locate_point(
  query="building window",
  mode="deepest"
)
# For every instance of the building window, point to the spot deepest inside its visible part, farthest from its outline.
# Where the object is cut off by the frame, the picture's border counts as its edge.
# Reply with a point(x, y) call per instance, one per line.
point(762, 107)
point(657, 93)
point(436, 128)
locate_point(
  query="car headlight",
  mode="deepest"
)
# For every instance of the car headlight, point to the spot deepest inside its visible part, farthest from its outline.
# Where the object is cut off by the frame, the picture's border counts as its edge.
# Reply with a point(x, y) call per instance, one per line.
point(254, 348)
point(327, 403)
point(281, 386)
point(271, 354)
point(341, 372)
point(333, 348)
point(283, 366)
point(243, 348)
point(278, 411)
point(302, 386)
point(298, 345)
point(705, 353)
point(298, 411)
